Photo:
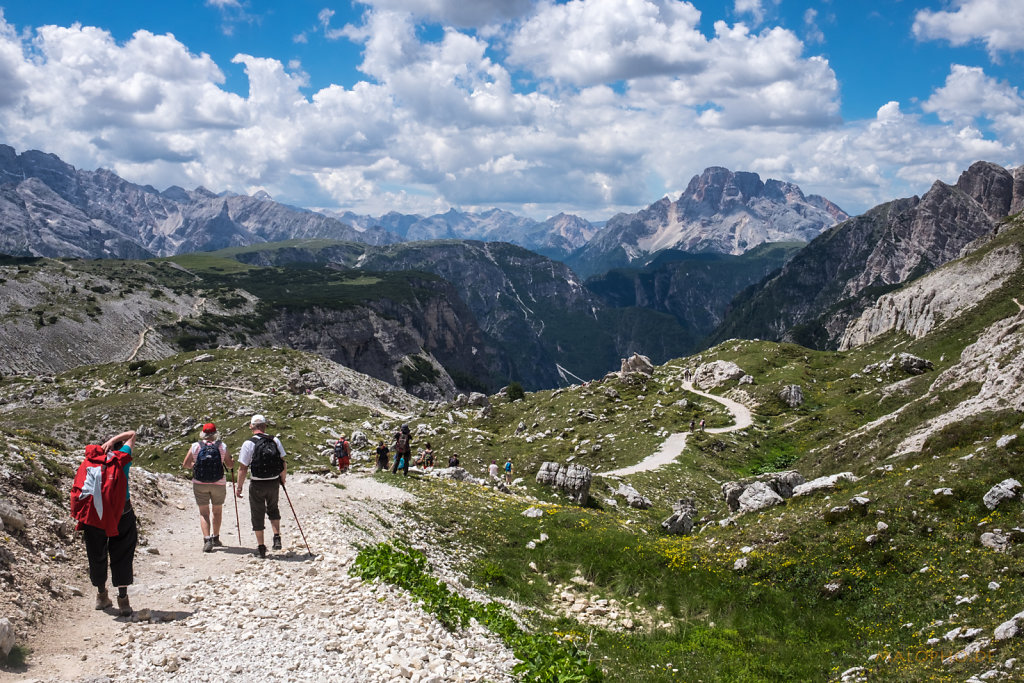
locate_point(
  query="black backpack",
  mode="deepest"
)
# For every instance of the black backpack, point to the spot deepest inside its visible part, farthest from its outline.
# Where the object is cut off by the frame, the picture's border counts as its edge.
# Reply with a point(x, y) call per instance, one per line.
point(267, 462)
point(208, 467)
point(402, 443)
point(340, 449)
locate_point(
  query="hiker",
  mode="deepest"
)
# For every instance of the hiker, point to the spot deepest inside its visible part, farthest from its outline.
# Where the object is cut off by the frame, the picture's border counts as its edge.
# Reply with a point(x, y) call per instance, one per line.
point(382, 456)
point(508, 471)
point(692, 423)
point(403, 449)
point(453, 460)
point(342, 454)
point(263, 455)
point(101, 502)
point(702, 424)
point(492, 471)
point(426, 459)
point(208, 459)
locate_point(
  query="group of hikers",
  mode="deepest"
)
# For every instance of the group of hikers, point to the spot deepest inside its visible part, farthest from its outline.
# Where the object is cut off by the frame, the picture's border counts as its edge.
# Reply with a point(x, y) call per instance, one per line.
point(101, 499)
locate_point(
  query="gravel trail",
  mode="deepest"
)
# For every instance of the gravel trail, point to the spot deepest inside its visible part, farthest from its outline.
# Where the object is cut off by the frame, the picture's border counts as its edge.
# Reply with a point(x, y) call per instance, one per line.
point(289, 617)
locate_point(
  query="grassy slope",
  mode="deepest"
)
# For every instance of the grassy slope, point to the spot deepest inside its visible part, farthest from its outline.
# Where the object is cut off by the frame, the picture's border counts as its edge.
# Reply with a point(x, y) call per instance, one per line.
point(772, 621)
point(698, 618)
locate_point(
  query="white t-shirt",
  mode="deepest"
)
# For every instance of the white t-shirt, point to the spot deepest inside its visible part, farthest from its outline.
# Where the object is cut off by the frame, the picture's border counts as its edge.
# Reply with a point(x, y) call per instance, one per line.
point(493, 470)
point(245, 456)
point(194, 453)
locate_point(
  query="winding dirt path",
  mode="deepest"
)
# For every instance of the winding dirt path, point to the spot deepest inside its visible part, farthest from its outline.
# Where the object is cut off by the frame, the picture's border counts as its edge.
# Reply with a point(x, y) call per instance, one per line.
point(673, 446)
point(84, 645)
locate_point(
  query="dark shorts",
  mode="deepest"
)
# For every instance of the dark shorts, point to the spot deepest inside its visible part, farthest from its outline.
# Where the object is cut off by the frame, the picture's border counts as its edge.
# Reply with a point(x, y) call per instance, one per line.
point(263, 497)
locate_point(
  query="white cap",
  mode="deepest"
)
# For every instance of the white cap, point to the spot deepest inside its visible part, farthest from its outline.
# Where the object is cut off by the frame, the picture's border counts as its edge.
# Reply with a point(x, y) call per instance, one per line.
point(257, 420)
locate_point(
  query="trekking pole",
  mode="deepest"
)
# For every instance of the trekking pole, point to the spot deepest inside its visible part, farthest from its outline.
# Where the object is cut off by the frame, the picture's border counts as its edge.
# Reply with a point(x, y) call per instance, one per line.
point(238, 525)
point(289, 499)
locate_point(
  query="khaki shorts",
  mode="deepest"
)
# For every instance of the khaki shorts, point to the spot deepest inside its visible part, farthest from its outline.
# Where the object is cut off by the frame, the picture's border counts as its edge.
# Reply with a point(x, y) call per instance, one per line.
point(209, 493)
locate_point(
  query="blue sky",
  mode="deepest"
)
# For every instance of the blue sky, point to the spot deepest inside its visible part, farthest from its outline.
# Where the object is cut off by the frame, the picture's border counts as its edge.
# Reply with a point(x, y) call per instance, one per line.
point(587, 106)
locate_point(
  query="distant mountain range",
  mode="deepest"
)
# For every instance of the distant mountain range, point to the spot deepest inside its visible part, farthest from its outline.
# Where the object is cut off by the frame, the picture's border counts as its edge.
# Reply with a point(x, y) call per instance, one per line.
point(50, 208)
point(720, 212)
point(845, 270)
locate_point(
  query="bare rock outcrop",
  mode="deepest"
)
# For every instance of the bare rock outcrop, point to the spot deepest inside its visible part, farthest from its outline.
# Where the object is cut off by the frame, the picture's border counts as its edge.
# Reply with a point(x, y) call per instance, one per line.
point(1004, 490)
point(826, 483)
point(940, 295)
point(680, 522)
point(792, 395)
point(637, 363)
point(716, 373)
point(574, 480)
point(768, 490)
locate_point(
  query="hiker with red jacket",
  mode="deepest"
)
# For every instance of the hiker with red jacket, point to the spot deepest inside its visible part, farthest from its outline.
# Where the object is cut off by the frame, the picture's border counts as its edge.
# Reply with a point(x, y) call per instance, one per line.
point(208, 459)
point(101, 502)
point(343, 454)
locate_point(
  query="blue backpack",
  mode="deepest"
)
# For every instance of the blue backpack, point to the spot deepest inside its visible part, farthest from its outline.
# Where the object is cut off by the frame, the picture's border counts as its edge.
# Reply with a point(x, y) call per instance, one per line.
point(208, 467)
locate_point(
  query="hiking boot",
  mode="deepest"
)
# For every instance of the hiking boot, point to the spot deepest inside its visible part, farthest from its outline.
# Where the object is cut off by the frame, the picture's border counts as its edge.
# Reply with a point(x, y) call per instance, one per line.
point(216, 541)
point(124, 608)
point(103, 600)
point(261, 550)
point(277, 541)
point(208, 545)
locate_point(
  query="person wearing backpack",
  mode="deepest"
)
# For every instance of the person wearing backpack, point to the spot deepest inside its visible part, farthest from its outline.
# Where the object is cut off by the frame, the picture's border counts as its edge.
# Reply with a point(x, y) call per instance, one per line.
point(101, 503)
point(262, 456)
point(382, 456)
point(342, 454)
point(403, 451)
point(208, 459)
point(508, 471)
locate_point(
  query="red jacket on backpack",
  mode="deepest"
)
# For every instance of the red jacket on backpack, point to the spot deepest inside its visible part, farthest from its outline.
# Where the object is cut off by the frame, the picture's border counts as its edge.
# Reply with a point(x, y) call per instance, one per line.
point(100, 489)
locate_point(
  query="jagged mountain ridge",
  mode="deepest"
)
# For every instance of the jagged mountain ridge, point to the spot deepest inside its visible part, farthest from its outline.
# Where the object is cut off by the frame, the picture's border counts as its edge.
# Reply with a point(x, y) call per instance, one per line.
point(50, 208)
point(556, 238)
point(719, 211)
point(535, 309)
point(842, 272)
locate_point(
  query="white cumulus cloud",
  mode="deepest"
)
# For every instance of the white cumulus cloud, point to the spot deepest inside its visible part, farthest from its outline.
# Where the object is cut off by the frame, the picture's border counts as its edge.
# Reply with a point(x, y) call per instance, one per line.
point(999, 24)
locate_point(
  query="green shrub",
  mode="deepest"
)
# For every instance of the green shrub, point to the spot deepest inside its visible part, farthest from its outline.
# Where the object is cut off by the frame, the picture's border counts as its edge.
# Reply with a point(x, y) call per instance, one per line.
point(515, 392)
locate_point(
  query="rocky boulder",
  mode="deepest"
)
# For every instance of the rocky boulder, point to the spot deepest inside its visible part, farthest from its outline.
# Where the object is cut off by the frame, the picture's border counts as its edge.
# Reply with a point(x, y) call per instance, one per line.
point(574, 480)
point(827, 483)
point(681, 521)
point(637, 363)
point(716, 374)
point(781, 483)
point(458, 474)
point(11, 517)
point(792, 395)
point(6, 637)
point(758, 496)
point(1004, 490)
point(633, 497)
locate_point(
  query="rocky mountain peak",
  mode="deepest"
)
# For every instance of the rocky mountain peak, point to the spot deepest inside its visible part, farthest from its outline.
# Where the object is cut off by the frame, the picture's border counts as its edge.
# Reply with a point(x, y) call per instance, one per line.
point(990, 185)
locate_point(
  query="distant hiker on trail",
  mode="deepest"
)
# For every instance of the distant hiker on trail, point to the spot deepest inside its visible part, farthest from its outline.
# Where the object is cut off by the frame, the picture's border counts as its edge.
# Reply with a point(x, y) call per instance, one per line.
point(208, 459)
point(508, 471)
point(687, 375)
point(342, 454)
point(427, 457)
point(492, 471)
point(692, 423)
point(382, 456)
point(101, 502)
point(403, 451)
point(453, 460)
point(702, 424)
point(263, 455)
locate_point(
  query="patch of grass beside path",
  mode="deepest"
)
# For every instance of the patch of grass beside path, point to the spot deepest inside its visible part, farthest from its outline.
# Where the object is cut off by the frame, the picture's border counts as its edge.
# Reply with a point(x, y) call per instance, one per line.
point(543, 658)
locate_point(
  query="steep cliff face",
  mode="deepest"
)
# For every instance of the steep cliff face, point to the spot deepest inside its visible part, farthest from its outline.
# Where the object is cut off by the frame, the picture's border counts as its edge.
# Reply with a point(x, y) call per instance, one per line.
point(414, 332)
point(49, 208)
point(842, 272)
point(695, 289)
point(925, 304)
point(720, 211)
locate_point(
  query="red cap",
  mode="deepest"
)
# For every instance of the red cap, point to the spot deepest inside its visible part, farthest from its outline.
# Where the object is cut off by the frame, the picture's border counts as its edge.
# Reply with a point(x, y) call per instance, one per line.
point(209, 427)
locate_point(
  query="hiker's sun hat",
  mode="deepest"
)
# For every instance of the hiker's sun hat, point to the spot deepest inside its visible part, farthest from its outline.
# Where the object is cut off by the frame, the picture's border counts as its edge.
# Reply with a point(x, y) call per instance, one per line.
point(209, 428)
point(257, 420)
